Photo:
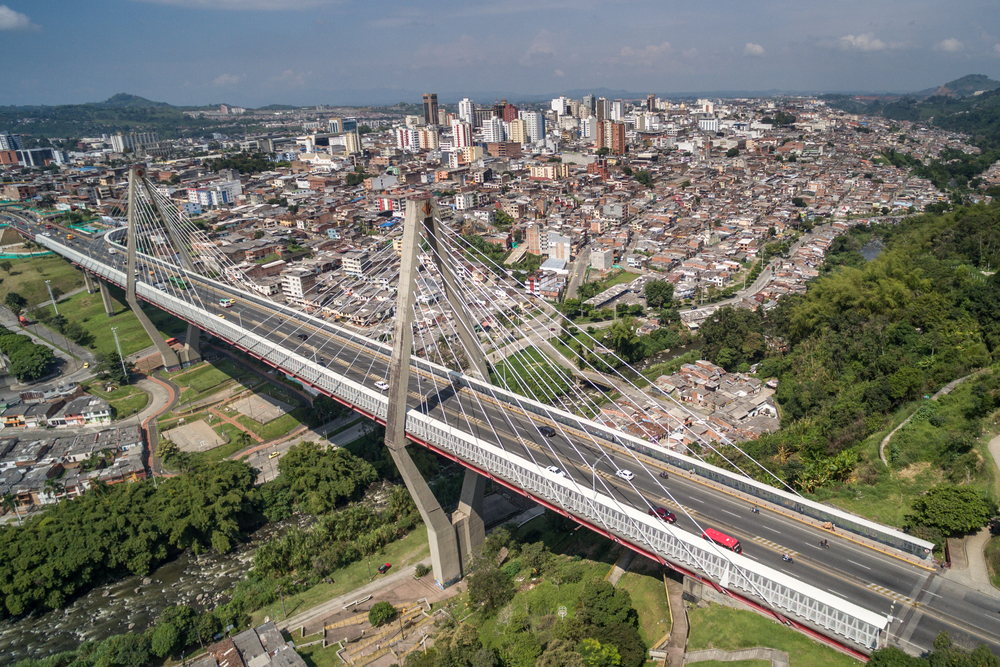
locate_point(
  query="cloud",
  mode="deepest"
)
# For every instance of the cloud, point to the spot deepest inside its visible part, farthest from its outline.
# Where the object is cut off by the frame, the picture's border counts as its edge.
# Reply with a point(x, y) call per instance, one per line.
point(996, 48)
point(245, 5)
point(290, 79)
point(11, 20)
point(464, 53)
point(753, 50)
point(865, 42)
point(950, 45)
point(559, 72)
point(224, 80)
point(540, 51)
point(644, 56)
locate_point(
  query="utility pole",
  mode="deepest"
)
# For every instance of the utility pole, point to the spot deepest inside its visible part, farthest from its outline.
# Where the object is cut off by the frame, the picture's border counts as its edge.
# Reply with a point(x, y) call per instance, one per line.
point(48, 286)
point(121, 358)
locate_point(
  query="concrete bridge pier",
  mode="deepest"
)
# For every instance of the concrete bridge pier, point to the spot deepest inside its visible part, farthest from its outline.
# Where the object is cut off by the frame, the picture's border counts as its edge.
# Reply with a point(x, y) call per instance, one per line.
point(109, 305)
point(89, 282)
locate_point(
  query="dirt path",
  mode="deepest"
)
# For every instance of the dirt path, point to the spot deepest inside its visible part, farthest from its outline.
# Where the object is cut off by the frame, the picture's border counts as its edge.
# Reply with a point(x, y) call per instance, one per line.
point(943, 391)
point(236, 424)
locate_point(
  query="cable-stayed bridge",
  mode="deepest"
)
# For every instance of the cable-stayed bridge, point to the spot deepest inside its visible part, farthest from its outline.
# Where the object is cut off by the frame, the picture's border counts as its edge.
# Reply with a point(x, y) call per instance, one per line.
point(449, 308)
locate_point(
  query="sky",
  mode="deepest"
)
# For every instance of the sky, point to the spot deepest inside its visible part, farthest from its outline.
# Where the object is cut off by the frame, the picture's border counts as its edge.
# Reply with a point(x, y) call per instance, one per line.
point(303, 52)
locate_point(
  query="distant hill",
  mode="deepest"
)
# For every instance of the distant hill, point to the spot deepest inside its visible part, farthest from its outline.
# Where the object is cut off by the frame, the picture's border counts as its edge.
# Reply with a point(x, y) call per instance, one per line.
point(967, 85)
point(126, 101)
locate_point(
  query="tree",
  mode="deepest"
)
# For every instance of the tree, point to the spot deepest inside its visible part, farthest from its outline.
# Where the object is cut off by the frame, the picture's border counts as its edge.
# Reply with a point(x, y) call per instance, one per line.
point(560, 653)
point(623, 339)
point(31, 362)
point(381, 612)
point(733, 152)
point(658, 293)
point(644, 177)
point(603, 151)
point(259, 234)
point(9, 503)
point(799, 201)
point(15, 302)
point(489, 588)
point(627, 170)
point(733, 336)
point(954, 510)
point(6, 265)
point(596, 655)
point(602, 604)
point(110, 367)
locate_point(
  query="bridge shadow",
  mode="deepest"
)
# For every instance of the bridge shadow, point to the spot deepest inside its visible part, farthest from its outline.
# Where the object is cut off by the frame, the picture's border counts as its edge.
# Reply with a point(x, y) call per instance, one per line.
point(437, 398)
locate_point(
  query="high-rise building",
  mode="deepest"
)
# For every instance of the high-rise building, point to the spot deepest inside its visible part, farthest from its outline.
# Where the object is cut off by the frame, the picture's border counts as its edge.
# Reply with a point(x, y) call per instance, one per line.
point(428, 139)
point(651, 102)
point(407, 139)
point(133, 140)
point(462, 135)
point(498, 108)
point(602, 109)
point(518, 131)
point(466, 111)
point(588, 101)
point(430, 108)
point(479, 116)
point(588, 127)
point(617, 110)
point(610, 135)
point(493, 130)
point(535, 126)
point(10, 142)
point(509, 113)
point(561, 105)
point(352, 142)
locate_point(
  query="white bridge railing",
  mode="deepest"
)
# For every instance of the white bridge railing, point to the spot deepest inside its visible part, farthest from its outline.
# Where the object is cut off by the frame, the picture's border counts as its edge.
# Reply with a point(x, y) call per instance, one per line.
point(731, 571)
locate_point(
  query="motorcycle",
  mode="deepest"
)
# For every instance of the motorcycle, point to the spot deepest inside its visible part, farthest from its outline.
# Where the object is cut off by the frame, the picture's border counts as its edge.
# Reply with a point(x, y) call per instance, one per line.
point(663, 475)
point(786, 558)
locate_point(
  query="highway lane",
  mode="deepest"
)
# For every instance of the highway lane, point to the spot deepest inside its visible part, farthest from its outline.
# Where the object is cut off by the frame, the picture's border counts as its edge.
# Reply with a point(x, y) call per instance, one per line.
point(848, 570)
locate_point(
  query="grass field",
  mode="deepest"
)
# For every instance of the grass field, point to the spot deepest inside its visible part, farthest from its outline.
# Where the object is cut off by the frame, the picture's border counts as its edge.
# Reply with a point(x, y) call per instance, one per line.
point(736, 663)
point(721, 627)
point(275, 428)
point(992, 552)
point(88, 311)
point(317, 656)
point(232, 434)
point(124, 400)
point(28, 276)
point(404, 552)
point(649, 596)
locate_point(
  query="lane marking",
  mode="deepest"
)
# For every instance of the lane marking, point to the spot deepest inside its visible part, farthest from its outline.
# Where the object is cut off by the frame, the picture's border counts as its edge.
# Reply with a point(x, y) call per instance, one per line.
point(771, 529)
point(732, 514)
point(858, 564)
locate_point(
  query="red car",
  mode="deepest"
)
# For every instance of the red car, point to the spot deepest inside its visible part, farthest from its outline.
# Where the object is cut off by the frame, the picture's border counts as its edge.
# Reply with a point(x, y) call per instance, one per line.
point(661, 512)
point(382, 569)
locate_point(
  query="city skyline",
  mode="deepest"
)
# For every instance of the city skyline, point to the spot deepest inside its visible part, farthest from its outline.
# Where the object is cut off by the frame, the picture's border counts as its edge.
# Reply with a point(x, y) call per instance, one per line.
point(259, 52)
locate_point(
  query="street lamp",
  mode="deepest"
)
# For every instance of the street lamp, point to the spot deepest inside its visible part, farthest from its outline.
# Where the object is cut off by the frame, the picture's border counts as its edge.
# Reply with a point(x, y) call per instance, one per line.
point(114, 330)
point(48, 286)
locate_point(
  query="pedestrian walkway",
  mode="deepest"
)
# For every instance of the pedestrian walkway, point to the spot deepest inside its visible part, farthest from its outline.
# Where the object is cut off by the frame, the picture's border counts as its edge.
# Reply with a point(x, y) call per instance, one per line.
point(235, 423)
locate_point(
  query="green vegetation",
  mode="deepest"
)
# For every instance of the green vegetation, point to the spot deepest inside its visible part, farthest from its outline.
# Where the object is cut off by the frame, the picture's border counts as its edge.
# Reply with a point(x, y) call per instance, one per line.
point(530, 373)
point(246, 163)
point(381, 612)
point(865, 343)
point(28, 361)
point(649, 596)
point(729, 629)
point(28, 276)
point(123, 529)
point(945, 653)
point(514, 607)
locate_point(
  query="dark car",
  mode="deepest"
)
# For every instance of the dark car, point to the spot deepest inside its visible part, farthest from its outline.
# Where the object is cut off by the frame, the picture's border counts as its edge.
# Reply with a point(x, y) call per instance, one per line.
point(382, 569)
point(547, 431)
point(662, 512)
point(303, 336)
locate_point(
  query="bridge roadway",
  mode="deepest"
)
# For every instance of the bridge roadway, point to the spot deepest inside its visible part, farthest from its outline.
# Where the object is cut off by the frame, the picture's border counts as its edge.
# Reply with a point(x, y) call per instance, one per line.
point(921, 602)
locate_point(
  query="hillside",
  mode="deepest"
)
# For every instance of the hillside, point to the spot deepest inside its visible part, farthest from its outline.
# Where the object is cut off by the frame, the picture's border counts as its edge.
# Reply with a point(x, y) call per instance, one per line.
point(865, 344)
point(967, 85)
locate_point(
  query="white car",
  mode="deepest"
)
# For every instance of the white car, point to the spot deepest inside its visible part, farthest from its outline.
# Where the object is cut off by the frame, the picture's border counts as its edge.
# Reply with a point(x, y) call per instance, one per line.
point(382, 385)
point(556, 471)
point(627, 475)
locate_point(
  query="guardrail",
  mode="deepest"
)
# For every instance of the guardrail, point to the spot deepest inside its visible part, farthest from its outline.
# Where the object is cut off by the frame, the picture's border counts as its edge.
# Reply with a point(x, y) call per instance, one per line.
point(732, 571)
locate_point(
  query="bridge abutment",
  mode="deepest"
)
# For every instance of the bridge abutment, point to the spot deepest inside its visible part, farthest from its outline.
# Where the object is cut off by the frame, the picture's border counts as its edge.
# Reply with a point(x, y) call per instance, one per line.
point(468, 518)
point(109, 305)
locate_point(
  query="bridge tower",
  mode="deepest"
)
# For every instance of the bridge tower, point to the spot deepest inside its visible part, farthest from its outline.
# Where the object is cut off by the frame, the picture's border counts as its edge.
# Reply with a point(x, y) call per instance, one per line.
point(452, 539)
point(169, 357)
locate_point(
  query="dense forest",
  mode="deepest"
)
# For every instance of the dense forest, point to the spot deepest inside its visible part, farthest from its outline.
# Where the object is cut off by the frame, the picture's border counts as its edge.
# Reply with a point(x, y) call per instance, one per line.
point(868, 339)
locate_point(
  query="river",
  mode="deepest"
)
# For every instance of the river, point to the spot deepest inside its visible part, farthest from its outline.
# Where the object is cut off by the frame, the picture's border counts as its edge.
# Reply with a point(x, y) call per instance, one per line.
point(132, 603)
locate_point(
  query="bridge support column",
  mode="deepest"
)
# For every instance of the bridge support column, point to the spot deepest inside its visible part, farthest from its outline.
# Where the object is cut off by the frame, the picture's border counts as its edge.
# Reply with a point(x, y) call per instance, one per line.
point(170, 360)
point(109, 305)
point(89, 282)
point(468, 518)
point(441, 534)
